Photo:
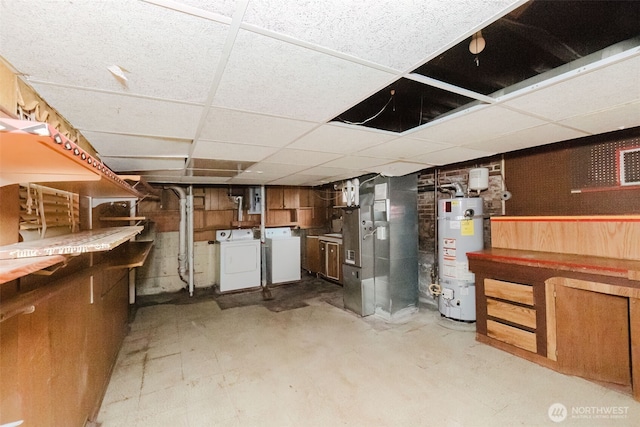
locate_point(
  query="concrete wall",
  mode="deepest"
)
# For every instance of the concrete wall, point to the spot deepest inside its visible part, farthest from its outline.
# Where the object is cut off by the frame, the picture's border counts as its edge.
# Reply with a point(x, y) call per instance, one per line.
point(160, 273)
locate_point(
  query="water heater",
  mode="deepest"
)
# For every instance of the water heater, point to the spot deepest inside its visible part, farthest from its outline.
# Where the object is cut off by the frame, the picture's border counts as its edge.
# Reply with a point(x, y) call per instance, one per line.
point(460, 230)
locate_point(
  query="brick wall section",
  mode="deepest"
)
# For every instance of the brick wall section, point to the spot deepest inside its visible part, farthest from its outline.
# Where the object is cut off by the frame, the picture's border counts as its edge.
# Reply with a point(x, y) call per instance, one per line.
point(427, 221)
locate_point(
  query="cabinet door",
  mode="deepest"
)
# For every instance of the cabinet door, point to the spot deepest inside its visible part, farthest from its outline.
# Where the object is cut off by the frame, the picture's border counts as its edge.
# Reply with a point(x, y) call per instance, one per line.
point(275, 198)
point(313, 255)
point(593, 335)
point(291, 198)
point(333, 260)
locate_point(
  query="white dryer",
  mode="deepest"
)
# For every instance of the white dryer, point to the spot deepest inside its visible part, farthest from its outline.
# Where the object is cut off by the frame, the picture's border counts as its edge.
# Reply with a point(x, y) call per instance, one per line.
point(282, 255)
point(238, 260)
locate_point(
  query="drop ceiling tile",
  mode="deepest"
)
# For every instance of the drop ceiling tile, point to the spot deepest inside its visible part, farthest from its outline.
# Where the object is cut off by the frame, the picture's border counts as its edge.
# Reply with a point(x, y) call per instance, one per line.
point(225, 151)
point(396, 34)
point(107, 112)
point(222, 7)
point(399, 168)
point(527, 138)
point(277, 168)
point(256, 178)
point(402, 148)
point(325, 171)
point(616, 118)
point(341, 139)
point(298, 179)
point(479, 124)
point(132, 164)
point(301, 157)
point(356, 162)
point(111, 144)
point(269, 76)
point(163, 53)
point(247, 128)
point(583, 93)
point(452, 155)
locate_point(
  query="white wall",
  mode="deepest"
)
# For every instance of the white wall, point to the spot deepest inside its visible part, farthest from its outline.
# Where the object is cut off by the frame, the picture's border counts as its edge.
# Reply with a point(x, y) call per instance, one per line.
point(160, 273)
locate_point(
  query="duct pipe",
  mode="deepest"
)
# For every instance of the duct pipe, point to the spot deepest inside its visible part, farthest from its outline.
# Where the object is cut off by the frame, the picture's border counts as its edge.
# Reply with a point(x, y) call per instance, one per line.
point(182, 253)
point(190, 239)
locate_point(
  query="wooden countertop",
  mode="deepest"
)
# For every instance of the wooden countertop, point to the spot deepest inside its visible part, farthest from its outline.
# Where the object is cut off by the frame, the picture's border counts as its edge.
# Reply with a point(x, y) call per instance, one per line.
point(612, 267)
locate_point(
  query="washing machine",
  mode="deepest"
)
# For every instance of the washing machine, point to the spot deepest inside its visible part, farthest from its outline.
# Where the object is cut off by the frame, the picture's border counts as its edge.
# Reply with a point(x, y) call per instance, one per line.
point(282, 255)
point(238, 260)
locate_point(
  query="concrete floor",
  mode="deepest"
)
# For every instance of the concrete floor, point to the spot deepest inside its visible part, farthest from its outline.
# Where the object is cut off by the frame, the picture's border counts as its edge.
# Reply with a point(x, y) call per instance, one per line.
point(197, 365)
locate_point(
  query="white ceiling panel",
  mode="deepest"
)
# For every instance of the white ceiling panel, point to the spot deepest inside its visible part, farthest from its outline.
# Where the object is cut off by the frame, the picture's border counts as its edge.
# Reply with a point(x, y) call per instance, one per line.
point(247, 128)
point(163, 54)
point(123, 164)
point(356, 162)
point(222, 7)
point(226, 151)
point(298, 179)
point(326, 171)
point(269, 76)
point(341, 139)
point(276, 168)
point(399, 168)
point(527, 138)
point(255, 178)
point(619, 117)
point(481, 124)
point(394, 33)
point(403, 148)
point(301, 157)
point(111, 144)
point(108, 112)
point(452, 155)
point(585, 92)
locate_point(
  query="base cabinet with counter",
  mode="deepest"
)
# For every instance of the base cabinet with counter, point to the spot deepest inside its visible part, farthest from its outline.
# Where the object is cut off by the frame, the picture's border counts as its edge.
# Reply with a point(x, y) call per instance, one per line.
point(575, 313)
point(324, 256)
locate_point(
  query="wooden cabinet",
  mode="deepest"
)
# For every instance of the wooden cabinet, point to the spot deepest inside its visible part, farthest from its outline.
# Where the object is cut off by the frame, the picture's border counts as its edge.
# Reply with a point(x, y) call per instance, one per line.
point(593, 341)
point(511, 313)
point(312, 255)
point(331, 260)
point(580, 321)
point(283, 198)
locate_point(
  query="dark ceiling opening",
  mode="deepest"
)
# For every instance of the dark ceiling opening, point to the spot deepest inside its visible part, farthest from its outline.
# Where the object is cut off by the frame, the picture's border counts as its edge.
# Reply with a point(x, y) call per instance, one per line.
point(535, 38)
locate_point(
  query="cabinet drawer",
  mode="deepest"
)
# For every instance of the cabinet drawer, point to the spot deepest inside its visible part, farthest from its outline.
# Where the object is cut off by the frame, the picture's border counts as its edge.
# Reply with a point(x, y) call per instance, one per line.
point(513, 313)
point(515, 292)
point(510, 335)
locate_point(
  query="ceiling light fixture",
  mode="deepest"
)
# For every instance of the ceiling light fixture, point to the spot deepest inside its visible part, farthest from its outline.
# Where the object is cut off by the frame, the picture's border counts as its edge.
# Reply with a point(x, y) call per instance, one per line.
point(477, 43)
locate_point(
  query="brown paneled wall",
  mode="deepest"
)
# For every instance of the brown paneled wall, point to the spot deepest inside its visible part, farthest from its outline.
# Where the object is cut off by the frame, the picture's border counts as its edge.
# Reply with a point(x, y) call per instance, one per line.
point(540, 181)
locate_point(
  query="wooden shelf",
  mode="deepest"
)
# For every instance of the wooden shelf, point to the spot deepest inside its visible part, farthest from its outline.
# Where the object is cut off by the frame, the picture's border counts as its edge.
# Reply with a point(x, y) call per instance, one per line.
point(11, 269)
point(36, 152)
point(71, 244)
point(123, 218)
point(130, 255)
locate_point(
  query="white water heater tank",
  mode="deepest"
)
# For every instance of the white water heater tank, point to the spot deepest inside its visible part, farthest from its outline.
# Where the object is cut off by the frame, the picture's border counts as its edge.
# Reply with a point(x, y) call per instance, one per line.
point(478, 179)
point(460, 230)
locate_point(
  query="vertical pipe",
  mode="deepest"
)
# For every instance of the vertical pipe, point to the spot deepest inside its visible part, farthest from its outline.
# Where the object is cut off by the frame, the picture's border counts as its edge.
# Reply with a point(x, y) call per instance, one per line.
point(190, 238)
point(263, 261)
point(182, 235)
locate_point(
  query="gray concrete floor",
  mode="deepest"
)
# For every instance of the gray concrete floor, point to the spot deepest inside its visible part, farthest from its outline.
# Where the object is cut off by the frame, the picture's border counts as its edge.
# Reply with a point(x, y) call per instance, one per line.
point(317, 365)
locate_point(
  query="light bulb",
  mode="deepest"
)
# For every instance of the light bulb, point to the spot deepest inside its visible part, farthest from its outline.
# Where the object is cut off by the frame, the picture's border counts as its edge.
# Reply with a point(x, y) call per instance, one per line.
point(477, 43)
